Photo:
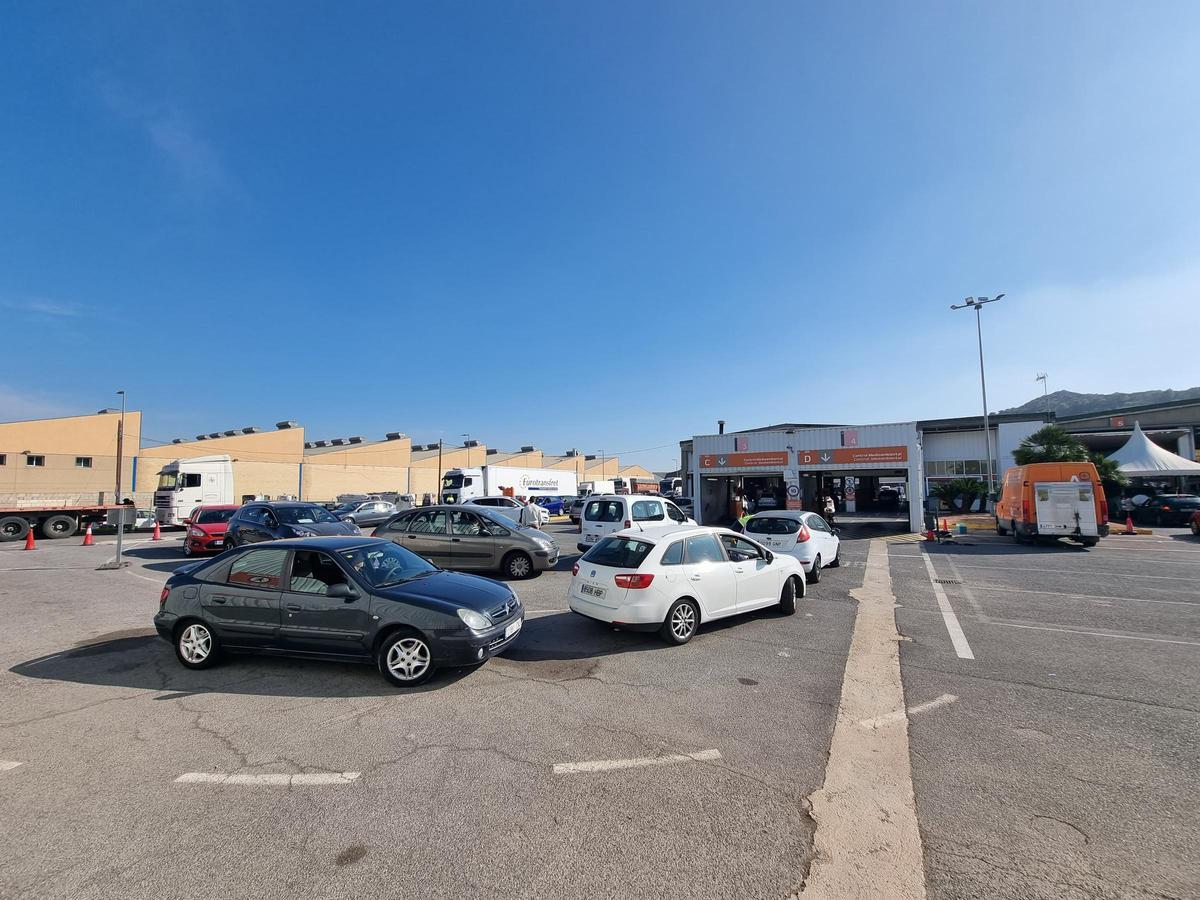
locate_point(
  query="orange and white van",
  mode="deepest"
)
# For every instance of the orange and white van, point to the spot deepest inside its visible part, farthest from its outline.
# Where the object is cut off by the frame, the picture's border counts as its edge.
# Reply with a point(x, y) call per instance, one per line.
point(1053, 500)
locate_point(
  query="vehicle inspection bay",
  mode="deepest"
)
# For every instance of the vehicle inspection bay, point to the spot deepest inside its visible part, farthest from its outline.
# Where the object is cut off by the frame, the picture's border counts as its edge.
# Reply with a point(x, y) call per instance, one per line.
point(1053, 699)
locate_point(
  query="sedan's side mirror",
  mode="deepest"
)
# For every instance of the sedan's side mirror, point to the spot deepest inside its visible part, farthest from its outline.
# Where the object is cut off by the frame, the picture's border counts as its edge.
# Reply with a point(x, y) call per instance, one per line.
point(187, 521)
point(770, 557)
point(343, 590)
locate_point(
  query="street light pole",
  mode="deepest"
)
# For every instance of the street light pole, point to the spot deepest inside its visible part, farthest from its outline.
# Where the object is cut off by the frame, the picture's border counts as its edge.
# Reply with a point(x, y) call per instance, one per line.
point(977, 304)
point(120, 445)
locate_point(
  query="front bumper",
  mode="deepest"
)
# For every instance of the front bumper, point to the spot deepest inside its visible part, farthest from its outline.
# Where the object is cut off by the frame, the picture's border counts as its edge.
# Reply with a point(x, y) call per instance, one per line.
point(207, 544)
point(468, 648)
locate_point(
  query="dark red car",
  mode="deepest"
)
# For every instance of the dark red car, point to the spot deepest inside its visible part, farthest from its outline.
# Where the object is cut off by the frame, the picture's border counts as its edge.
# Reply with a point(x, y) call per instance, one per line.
point(206, 528)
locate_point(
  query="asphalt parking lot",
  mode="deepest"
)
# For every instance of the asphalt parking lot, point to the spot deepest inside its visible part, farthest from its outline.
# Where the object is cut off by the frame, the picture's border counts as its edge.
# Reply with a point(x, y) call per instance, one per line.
point(458, 794)
point(1056, 757)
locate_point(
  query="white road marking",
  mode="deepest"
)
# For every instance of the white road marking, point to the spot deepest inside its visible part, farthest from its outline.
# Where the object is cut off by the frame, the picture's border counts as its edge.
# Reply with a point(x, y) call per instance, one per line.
point(1104, 634)
point(543, 612)
point(957, 638)
point(607, 765)
point(274, 779)
point(966, 589)
point(145, 578)
point(1077, 572)
point(900, 715)
point(1095, 598)
point(6, 764)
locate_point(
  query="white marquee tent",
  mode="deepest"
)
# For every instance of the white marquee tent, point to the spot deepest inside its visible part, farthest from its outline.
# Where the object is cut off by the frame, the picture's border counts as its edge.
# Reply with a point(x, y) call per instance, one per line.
point(1142, 458)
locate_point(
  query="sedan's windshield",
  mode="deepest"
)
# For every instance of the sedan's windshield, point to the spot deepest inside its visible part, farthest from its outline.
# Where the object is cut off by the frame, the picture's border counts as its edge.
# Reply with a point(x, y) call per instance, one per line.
point(167, 481)
point(304, 515)
point(382, 565)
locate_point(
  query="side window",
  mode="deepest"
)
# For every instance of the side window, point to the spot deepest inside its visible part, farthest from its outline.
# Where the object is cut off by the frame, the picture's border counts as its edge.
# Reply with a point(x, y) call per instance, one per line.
point(314, 573)
point(648, 511)
point(817, 523)
point(259, 569)
point(429, 523)
point(675, 513)
point(703, 548)
point(484, 501)
point(466, 524)
point(400, 523)
point(191, 479)
point(674, 555)
point(495, 529)
point(253, 515)
point(739, 549)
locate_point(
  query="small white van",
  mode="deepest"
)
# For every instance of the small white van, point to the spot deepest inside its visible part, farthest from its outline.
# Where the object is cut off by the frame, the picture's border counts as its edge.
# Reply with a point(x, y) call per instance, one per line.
point(608, 513)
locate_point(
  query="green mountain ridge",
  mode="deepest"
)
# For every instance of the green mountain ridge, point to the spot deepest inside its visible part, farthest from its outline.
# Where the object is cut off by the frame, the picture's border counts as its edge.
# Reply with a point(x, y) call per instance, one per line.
point(1070, 403)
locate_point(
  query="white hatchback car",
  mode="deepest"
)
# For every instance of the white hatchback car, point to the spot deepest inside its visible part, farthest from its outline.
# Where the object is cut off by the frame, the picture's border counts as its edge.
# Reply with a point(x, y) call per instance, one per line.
point(609, 513)
point(670, 578)
point(804, 535)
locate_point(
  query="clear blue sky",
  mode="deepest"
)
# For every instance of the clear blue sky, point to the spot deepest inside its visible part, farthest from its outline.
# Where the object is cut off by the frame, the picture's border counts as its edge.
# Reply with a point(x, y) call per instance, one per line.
point(358, 215)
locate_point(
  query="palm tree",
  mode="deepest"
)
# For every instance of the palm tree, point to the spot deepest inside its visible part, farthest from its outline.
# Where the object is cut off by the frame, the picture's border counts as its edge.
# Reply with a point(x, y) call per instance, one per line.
point(959, 493)
point(1049, 443)
point(1113, 480)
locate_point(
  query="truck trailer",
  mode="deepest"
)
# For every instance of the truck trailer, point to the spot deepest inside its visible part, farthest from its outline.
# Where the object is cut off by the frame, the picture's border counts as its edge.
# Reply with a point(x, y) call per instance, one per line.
point(490, 481)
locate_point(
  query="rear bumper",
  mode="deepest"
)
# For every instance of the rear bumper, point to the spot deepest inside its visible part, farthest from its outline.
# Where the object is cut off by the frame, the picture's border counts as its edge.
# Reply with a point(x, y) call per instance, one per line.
point(624, 626)
point(632, 616)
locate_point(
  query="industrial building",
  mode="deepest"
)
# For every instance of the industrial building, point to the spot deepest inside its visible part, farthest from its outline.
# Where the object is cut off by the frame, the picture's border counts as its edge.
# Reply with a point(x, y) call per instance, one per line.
point(73, 459)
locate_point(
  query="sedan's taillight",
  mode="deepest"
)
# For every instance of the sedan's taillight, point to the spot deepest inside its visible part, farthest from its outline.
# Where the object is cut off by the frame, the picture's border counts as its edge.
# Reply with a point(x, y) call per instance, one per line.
point(634, 582)
point(628, 524)
point(162, 598)
point(803, 534)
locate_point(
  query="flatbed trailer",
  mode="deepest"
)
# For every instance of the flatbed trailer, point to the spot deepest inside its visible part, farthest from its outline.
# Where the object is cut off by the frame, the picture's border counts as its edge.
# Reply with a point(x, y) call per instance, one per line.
point(53, 521)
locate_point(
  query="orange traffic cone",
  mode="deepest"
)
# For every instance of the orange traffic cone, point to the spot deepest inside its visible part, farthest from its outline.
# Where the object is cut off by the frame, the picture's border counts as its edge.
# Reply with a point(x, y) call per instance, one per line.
point(157, 533)
point(30, 544)
point(930, 536)
point(945, 525)
point(1129, 529)
point(87, 537)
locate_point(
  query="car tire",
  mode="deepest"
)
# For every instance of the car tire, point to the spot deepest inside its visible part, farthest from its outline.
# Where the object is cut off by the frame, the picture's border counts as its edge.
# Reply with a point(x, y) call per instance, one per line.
point(1016, 534)
point(187, 548)
point(814, 576)
point(836, 561)
point(517, 564)
point(59, 527)
point(1089, 541)
point(1195, 528)
point(683, 618)
point(405, 658)
point(787, 600)
point(13, 528)
point(196, 647)
point(1000, 529)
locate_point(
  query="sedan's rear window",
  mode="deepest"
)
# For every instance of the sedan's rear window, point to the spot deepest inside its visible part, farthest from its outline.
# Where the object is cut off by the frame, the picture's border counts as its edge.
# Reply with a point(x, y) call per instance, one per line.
point(772, 525)
point(619, 553)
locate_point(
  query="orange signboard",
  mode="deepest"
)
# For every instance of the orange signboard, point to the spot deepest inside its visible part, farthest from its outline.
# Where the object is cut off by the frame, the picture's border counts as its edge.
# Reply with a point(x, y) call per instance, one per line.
point(744, 460)
point(844, 456)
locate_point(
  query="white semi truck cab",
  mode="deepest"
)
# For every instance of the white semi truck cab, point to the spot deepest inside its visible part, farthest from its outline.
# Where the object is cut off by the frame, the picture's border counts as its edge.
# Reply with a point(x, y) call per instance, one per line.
point(183, 484)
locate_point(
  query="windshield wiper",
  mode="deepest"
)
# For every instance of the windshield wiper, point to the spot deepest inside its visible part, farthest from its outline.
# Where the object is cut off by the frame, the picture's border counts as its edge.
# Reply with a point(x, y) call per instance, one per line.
point(406, 580)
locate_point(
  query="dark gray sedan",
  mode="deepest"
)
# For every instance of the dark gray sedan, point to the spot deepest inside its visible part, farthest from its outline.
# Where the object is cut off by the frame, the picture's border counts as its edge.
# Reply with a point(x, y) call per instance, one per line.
point(355, 599)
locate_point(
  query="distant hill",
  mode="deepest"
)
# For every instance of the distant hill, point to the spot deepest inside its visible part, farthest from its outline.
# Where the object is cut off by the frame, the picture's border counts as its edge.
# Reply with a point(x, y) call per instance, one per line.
point(1069, 403)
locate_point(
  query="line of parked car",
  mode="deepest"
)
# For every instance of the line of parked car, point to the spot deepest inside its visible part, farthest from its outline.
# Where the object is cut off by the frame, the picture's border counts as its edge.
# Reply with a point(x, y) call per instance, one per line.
point(297, 580)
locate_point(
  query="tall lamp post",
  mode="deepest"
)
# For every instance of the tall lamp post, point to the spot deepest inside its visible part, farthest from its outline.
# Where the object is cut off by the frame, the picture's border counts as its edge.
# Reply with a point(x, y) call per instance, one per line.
point(120, 445)
point(977, 303)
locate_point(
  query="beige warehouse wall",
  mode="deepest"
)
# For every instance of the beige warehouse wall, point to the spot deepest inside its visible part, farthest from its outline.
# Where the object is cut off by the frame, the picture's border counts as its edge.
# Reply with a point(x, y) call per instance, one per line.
point(454, 458)
point(424, 481)
point(381, 453)
point(325, 482)
point(636, 472)
point(60, 441)
point(593, 469)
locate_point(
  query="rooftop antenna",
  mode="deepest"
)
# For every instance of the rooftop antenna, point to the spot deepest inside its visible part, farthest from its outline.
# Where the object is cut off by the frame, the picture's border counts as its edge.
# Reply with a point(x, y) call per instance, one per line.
point(1041, 376)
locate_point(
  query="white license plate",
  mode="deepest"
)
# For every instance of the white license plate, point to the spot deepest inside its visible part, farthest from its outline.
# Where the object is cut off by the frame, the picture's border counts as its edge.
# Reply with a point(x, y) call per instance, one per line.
point(512, 629)
point(590, 538)
point(591, 590)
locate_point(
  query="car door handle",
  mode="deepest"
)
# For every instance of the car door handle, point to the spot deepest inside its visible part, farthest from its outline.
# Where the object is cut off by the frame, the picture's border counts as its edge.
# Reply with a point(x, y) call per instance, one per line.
point(456, 540)
point(293, 607)
point(739, 571)
point(696, 577)
point(219, 599)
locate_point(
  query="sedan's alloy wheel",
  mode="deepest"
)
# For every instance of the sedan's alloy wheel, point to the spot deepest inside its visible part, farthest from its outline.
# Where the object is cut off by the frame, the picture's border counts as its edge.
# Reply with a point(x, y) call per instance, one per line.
point(195, 644)
point(408, 659)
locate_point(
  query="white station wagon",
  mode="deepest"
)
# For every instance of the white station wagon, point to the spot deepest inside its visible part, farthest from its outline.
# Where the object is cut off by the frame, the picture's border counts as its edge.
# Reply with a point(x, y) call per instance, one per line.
point(670, 579)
